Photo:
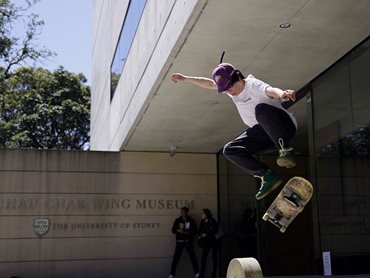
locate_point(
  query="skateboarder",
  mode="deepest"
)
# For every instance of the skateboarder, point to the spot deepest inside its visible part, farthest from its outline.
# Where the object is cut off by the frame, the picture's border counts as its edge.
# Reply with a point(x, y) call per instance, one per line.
point(271, 126)
point(185, 229)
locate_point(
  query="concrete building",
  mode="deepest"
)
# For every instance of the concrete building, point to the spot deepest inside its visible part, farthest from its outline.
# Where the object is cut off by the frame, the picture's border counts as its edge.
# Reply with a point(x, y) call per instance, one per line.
point(156, 145)
point(319, 48)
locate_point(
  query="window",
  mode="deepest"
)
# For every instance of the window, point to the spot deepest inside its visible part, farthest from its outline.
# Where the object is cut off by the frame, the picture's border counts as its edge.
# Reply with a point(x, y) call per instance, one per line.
point(341, 136)
point(130, 24)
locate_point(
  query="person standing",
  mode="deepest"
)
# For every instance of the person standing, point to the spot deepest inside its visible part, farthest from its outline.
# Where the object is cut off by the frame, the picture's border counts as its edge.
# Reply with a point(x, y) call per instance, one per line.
point(247, 234)
point(270, 125)
point(185, 229)
point(208, 228)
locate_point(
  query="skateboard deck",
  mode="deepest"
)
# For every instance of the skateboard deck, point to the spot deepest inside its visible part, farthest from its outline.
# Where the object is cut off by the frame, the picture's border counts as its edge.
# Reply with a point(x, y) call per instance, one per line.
point(291, 200)
point(244, 268)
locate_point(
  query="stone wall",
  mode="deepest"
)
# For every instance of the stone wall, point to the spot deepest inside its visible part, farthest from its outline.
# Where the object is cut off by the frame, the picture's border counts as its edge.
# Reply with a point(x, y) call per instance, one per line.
point(98, 214)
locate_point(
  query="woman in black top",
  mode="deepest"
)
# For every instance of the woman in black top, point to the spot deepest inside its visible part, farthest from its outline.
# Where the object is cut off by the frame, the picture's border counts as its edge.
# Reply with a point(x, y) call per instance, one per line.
point(208, 228)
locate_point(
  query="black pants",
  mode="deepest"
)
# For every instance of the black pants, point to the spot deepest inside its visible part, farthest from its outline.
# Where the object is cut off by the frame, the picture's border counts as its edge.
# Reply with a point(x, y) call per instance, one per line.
point(176, 256)
point(205, 253)
point(273, 123)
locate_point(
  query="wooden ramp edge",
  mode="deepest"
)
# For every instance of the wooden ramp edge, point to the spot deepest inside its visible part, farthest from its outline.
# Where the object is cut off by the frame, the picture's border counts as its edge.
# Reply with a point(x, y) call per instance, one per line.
point(244, 268)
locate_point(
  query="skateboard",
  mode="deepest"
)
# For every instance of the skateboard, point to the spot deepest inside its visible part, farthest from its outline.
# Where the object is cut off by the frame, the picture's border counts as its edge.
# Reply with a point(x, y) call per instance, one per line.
point(291, 200)
point(244, 268)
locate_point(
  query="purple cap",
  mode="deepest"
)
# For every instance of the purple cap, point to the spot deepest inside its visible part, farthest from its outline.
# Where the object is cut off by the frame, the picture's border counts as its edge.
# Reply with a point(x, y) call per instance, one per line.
point(222, 75)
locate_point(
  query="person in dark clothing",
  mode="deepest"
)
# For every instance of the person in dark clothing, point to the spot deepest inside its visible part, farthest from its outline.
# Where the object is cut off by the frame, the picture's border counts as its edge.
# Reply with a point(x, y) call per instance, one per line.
point(208, 228)
point(247, 234)
point(185, 229)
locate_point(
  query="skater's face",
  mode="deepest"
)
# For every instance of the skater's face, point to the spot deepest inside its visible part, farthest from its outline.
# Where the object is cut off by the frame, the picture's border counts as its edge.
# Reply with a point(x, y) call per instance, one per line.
point(236, 88)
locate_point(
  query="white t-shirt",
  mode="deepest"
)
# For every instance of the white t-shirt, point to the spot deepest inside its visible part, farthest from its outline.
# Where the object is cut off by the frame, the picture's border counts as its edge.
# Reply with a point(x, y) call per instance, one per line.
point(254, 93)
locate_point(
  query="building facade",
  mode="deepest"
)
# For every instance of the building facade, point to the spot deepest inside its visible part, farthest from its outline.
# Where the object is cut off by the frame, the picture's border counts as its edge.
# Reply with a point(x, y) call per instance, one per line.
point(319, 48)
point(97, 214)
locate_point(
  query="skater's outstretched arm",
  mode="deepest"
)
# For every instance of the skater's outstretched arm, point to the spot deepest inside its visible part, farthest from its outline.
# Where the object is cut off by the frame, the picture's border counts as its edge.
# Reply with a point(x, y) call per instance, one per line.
point(279, 93)
point(196, 80)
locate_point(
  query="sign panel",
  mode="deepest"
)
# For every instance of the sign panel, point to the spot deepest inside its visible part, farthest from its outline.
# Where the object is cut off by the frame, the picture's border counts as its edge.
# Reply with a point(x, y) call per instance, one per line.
point(327, 263)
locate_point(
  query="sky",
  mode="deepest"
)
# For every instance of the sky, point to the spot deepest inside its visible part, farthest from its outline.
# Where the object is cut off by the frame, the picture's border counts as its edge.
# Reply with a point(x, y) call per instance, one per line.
point(68, 32)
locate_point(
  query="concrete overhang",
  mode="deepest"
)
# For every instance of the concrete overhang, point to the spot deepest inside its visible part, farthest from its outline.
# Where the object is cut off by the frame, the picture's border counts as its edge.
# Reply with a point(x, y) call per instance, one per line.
point(198, 120)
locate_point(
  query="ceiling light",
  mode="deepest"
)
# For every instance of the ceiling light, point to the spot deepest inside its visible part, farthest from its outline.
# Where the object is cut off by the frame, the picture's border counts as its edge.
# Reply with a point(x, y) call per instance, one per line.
point(285, 25)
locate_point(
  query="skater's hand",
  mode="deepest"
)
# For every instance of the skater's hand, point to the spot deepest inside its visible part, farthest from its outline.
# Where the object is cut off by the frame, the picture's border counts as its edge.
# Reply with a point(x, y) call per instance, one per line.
point(288, 95)
point(177, 77)
point(277, 93)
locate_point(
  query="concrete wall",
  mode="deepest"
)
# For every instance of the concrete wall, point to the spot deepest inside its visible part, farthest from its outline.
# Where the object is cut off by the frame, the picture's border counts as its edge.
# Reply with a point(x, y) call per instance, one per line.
point(98, 214)
point(168, 21)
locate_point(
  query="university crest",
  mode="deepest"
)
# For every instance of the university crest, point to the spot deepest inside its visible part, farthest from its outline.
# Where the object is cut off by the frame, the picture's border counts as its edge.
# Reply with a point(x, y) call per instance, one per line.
point(41, 226)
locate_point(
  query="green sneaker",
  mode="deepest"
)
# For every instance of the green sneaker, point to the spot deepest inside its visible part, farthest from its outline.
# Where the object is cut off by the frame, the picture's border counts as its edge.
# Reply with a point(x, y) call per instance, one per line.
point(286, 158)
point(269, 182)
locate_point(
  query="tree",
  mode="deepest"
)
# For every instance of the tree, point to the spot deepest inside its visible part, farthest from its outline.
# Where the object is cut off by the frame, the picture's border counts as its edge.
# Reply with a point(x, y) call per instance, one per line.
point(45, 110)
point(354, 144)
point(38, 108)
point(18, 51)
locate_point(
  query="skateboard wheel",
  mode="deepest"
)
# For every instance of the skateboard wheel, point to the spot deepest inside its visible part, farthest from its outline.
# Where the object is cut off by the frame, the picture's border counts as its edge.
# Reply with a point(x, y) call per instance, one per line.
point(283, 229)
point(265, 217)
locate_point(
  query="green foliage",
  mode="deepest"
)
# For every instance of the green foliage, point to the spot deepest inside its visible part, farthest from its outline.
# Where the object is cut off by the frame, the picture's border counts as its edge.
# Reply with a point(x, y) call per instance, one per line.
point(45, 110)
point(38, 108)
point(353, 144)
point(21, 50)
